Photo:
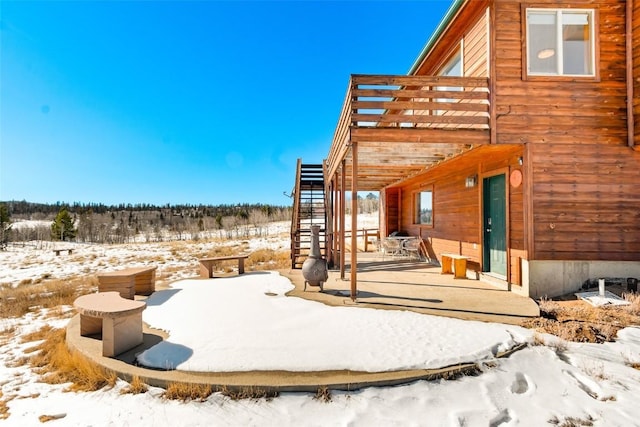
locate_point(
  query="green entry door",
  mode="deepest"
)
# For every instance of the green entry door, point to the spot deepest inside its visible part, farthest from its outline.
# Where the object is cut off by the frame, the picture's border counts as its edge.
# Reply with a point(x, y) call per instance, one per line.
point(495, 225)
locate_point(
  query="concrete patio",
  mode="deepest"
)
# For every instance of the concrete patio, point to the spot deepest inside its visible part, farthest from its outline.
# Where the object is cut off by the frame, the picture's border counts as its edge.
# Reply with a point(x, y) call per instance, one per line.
point(394, 284)
point(402, 284)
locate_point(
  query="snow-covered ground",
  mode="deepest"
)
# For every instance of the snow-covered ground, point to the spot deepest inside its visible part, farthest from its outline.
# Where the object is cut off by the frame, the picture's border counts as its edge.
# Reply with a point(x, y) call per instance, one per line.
point(175, 259)
point(250, 315)
point(252, 325)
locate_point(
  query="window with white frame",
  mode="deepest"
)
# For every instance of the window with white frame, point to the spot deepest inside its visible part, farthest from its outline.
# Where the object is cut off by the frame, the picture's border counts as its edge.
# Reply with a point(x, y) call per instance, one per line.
point(453, 68)
point(560, 42)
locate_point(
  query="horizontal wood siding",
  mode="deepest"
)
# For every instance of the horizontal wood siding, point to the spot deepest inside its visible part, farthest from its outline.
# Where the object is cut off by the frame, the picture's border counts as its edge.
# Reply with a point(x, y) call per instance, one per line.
point(572, 111)
point(636, 70)
point(457, 209)
point(585, 199)
point(593, 211)
point(463, 25)
point(474, 58)
point(476, 49)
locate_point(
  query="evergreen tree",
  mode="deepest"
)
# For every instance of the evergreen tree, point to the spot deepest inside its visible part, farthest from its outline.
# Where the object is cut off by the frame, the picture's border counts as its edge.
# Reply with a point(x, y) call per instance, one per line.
point(5, 226)
point(62, 227)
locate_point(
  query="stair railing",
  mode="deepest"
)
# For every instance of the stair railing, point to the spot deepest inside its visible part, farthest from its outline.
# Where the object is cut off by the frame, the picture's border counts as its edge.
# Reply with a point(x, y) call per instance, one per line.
point(295, 218)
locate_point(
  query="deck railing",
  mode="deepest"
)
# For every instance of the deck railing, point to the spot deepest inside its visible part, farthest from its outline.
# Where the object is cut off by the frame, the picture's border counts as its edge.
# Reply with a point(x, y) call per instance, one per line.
point(405, 102)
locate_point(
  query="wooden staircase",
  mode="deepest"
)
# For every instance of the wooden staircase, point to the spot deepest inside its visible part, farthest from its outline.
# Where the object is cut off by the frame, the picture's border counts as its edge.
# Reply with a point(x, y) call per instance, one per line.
point(309, 208)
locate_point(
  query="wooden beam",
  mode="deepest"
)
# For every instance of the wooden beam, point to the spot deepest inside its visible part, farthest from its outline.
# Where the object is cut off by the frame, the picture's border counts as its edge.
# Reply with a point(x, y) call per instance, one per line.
point(403, 80)
point(493, 126)
point(527, 190)
point(426, 135)
point(354, 220)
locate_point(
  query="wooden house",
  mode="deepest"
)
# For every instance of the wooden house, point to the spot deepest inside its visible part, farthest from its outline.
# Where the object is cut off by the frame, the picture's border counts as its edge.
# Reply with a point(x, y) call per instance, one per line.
point(513, 140)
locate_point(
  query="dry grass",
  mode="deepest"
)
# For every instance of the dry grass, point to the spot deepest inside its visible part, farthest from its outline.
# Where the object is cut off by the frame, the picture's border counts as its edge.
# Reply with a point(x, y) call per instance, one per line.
point(537, 339)
point(18, 301)
point(323, 394)
point(39, 335)
point(631, 361)
point(634, 308)
point(60, 312)
point(4, 409)
point(7, 333)
point(559, 345)
point(219, 251)
point(56, 364)
point(136, 386)
point(595, 370)
point(46, 418)
point(187, 392)
point(572, 421)
point(267, 259)
point(247, 393)
point(578, 321)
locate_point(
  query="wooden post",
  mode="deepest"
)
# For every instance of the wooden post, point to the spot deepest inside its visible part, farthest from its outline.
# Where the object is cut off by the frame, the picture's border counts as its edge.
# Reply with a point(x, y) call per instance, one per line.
point(343, 183)
point(493, 55)
point(336, 217)
point(328, 228)
point(354, 219)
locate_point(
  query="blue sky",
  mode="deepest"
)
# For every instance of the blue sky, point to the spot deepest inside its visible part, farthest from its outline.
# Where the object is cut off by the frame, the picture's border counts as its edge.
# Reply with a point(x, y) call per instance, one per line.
point(199, 102)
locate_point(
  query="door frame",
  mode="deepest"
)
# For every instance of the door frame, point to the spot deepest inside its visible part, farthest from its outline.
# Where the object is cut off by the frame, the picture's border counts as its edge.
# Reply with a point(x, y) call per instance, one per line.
point(488, 174)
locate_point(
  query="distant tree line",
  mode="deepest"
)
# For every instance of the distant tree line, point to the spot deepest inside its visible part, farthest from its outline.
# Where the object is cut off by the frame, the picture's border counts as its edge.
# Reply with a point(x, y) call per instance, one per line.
point(99, 223)
point(5, 226)
point(367, 204)
point(20, 209)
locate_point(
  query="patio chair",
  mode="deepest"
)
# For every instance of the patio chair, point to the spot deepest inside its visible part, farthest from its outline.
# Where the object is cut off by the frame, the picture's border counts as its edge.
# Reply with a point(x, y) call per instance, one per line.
point(412, 248)
point(391, 247)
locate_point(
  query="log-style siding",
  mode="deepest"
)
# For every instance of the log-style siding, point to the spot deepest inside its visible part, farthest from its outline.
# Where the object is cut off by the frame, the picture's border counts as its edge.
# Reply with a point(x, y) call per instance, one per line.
point(589, 207)
point(584, 178)
point(561, 110)
point(457, 224)
point(457, 210)
point(636, 70)
point(570, 137)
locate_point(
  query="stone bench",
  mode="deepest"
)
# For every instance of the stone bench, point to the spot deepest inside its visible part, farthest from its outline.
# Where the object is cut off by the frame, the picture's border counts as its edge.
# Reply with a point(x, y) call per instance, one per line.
point(57, 251)
point(455, 264)
point(206, 264)
point(129, 282)
point(119, 320)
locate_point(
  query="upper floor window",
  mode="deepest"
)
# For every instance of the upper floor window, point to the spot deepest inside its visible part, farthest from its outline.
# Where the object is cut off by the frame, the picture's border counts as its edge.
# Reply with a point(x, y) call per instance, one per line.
point(560, 42)
point(453, 68)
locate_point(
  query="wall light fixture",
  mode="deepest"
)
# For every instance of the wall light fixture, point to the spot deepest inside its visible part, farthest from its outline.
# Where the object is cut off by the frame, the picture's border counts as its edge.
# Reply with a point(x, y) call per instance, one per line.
point(471, 181)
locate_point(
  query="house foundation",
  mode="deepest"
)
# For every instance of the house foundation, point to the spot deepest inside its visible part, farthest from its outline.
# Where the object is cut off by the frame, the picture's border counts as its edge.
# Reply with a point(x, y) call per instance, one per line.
point(555, 278)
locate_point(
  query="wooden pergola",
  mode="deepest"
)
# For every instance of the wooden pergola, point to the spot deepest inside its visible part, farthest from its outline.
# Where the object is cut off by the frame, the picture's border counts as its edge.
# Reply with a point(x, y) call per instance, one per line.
point(394, 127)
